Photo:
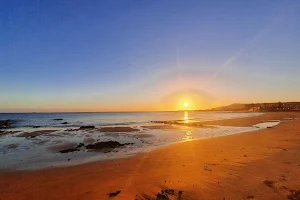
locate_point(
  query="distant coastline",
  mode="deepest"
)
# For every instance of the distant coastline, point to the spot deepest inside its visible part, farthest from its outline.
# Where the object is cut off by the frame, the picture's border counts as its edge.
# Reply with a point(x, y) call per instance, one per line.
point(259, 107)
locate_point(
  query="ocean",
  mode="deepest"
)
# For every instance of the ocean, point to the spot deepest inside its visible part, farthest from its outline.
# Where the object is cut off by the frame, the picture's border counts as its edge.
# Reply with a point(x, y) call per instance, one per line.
point(47, 120)
point(39, 140)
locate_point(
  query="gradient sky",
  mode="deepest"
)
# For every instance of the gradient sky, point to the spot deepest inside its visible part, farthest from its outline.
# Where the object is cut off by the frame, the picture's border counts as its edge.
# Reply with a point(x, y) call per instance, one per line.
point(130, 55)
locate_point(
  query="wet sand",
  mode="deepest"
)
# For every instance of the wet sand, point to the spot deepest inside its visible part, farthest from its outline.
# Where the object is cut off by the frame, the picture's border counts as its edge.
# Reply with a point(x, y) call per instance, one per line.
point(258, 165)
point(250, 121)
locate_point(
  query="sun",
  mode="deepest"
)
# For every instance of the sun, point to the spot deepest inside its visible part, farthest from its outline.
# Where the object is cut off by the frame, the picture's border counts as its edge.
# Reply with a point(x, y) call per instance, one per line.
point(185, 104)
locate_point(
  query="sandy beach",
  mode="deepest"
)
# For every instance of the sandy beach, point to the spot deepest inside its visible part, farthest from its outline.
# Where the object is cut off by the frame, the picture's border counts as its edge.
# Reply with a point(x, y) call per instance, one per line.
point(264, 164)
point(150, 100)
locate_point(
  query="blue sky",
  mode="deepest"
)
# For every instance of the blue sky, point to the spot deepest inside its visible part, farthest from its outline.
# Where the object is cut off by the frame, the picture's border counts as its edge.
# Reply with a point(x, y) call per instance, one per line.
point(133, 55)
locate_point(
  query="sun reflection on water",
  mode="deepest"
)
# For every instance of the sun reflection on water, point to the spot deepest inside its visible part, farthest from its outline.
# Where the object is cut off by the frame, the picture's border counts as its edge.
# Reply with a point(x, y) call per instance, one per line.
point(188, 135)
point(186, 117)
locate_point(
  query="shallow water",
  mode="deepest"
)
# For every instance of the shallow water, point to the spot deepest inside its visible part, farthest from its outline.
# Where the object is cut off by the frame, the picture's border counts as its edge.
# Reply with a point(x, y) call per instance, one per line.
point(268, 124)
point(111, 118)
point(43, 150)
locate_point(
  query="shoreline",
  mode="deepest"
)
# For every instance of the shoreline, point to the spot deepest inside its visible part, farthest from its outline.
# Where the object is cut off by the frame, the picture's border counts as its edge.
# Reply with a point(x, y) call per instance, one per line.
point(233, 122)
point(43, 148)
point(212, 123)
point(264, 164)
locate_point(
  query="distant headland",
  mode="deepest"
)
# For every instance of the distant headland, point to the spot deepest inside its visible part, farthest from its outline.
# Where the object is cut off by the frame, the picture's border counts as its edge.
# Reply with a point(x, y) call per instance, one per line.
point(254, 107)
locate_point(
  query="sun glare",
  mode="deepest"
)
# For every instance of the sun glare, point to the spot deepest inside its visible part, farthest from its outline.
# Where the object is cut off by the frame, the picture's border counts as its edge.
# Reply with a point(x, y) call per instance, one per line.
point(186, 104)
point(186, 117)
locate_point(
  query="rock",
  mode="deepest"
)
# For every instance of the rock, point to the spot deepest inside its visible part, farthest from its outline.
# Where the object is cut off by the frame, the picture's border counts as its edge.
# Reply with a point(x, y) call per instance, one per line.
point(269, 127)
point(113, 194)
point(58, 119)
point(179, 194)
point(169, 191)
point(8, 132)
point(36, 133)
point(128, 143)
point(86, 127)
point(5, 123)
point(36, 126)
point(207, 169)
point(64, 123)
point(68, 150)
point(162, 197)
point(103, 145)
point(118, 129)
point(12, 146)
point(269, 183)
point(294, 195)
point(79, 146)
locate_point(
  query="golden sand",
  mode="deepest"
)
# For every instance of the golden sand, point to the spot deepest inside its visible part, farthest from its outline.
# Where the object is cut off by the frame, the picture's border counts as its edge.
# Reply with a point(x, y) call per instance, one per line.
point(257, 165)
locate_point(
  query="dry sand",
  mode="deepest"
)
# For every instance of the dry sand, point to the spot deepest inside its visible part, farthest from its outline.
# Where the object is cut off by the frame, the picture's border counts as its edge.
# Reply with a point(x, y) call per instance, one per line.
point(258, 165)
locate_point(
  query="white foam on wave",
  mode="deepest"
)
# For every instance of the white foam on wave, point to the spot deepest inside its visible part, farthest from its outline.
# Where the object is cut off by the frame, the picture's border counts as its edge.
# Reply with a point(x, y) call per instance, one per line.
point(35, 153)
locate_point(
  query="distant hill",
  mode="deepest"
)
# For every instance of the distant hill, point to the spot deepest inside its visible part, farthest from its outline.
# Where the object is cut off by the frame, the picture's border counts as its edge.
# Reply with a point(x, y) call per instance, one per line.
point(232, 107)
point(278, 106)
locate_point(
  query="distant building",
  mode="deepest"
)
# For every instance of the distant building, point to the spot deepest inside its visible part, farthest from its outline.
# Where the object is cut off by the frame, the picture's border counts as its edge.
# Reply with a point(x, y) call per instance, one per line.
point(254, 109)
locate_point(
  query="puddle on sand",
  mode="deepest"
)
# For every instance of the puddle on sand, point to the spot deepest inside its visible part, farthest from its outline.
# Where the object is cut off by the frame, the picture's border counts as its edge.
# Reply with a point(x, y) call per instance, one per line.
point(268, 124)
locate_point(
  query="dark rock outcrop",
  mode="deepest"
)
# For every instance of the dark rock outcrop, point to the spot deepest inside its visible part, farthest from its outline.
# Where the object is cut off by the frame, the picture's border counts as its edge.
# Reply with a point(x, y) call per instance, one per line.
point(295, 195)
point(58, 119)
point(68, 150)
point(118, 129)
point(36, 133)
point(104, 145)
point(113, 194)
point(64, 123)
point(5, 123)
point(107, 146)
point(162, 197)
point(8, 132)
point(87, 127)
point(80, 145)
point(12, 146)
point(169, 191)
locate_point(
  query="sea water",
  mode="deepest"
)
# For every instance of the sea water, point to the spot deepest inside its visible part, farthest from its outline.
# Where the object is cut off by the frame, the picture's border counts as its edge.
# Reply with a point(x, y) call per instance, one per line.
point(42, 151)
